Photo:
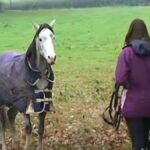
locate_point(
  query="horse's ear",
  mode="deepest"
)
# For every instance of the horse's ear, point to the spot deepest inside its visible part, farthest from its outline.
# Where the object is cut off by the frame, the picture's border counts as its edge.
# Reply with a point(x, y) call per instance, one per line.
point(52, 23)
point(36, 26)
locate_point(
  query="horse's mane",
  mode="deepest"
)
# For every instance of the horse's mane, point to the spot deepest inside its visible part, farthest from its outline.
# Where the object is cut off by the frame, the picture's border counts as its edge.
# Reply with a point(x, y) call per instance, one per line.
point(31, 49)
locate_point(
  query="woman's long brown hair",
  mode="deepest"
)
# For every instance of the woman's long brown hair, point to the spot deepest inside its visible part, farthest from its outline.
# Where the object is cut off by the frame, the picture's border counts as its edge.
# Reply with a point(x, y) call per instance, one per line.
point(137, 31)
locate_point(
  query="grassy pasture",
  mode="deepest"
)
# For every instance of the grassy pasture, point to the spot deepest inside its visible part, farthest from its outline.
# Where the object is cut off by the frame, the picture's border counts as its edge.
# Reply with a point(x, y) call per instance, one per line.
point(88, 42)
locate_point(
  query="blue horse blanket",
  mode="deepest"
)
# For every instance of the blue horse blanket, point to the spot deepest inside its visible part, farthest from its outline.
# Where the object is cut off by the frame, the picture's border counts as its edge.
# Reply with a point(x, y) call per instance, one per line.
point(15, 76)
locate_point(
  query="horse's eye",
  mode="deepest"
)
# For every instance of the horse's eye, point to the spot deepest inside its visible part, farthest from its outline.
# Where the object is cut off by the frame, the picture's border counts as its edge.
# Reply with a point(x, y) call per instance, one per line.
point(53, 37)
point(40, 39)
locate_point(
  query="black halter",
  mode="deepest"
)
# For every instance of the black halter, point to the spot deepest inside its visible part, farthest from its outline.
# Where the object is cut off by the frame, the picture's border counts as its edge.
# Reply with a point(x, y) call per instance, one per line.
point(112, 114)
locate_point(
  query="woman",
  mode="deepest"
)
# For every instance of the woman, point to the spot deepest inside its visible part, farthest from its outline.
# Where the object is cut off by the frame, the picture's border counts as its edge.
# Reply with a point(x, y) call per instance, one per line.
point(133, 72)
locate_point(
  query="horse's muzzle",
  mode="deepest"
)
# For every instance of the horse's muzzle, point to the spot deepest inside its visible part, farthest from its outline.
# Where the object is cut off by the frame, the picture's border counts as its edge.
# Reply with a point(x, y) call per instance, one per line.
point(51, 60)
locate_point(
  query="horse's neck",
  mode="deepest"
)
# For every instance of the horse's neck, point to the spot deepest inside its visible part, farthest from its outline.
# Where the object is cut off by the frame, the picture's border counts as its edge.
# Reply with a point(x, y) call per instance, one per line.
point(38, 62)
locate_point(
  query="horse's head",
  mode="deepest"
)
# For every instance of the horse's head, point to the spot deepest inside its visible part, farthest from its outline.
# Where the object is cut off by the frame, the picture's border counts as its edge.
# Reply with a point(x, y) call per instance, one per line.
point(44, 40)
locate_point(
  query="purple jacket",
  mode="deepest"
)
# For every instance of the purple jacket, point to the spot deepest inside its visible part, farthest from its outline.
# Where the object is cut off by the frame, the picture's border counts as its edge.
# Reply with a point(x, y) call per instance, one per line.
point(133, 71)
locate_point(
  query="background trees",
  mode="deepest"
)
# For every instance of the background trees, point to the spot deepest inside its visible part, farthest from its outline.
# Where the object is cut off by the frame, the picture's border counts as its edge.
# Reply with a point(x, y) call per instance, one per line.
point(34, 4)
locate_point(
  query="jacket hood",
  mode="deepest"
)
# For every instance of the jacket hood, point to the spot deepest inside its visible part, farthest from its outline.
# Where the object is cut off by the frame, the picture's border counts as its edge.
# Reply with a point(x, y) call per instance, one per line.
point(141, 47)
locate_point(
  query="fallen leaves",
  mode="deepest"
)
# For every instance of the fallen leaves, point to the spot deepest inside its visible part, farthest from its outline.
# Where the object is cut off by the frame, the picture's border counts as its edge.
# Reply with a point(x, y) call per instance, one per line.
point(77, 127)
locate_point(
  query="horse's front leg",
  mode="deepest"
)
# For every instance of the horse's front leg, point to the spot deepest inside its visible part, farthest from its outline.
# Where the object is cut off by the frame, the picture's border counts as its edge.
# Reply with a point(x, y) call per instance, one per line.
point(2, 129)
point(12, 112)
point(41, 130)
point(28, 130)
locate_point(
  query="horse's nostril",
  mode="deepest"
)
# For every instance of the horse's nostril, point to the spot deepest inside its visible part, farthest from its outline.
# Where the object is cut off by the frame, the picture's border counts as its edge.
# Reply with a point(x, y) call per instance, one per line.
point(52, 59)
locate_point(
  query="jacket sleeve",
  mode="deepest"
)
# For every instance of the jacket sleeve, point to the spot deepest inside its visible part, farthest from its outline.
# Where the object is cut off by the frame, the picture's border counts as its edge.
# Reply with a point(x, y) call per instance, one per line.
point(122, 69)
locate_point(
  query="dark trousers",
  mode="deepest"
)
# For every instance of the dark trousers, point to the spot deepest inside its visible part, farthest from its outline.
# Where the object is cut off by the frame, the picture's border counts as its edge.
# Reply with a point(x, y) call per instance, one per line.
point(139, 132)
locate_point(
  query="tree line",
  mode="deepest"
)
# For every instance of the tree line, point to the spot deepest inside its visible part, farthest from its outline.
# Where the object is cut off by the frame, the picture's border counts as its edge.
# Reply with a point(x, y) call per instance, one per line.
point(75, 3)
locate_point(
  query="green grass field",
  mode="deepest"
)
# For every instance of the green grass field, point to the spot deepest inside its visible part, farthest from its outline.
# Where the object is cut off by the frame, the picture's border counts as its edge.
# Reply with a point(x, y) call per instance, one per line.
point(88, 42)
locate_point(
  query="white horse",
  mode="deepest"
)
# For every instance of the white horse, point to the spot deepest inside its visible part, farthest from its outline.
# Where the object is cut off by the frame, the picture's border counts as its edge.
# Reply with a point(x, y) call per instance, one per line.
point(27, 79)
